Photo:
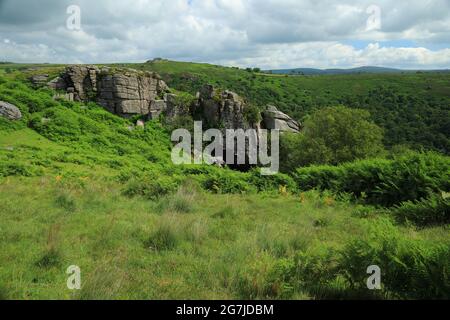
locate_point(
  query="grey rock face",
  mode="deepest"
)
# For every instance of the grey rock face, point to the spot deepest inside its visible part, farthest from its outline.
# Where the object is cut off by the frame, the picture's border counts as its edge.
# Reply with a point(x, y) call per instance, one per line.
point(176, 108)
point(57, 84)
point(83, 80)
point(39, 80)
point(128, 92)
point(277, 120)
point(222, 109)
point(156, 108)
point(9, 111)
point(124, 92)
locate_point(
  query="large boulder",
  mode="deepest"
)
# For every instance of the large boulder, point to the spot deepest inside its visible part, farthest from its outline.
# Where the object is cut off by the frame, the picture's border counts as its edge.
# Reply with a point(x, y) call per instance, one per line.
point(9, 111)
point(277, 120)
point(39, 80)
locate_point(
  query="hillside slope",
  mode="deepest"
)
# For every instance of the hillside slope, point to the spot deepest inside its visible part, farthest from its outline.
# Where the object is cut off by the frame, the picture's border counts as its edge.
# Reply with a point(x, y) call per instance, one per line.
point(413, 108)
point(81, 186)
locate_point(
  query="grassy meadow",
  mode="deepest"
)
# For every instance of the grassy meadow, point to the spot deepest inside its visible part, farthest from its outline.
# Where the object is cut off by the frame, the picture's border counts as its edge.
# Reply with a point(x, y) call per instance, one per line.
point(190, 245)
point(80, 186)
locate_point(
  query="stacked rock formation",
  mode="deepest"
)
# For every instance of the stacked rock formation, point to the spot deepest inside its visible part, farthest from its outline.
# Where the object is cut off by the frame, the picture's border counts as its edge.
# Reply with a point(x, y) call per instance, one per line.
point(128, 92)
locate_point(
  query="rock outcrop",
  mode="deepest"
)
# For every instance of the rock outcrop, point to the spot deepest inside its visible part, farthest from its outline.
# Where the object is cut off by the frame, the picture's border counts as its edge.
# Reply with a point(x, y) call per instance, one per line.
point(123, 92)
point(276, 120)
point(128, 92)
point(39, 80)
point(9, 111)
point(227, 110)
point(222, 109)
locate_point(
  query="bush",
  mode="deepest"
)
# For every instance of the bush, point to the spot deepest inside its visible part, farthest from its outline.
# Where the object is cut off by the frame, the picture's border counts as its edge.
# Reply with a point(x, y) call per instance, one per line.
point(16, 168)
point(410, 269)
point(271, 183)
point(252, 114)
point(151, 188)
point(8, 125)
point(432, 211)
point(382, 182)
point(311, 272)
point(227, 181)
point(332, 136)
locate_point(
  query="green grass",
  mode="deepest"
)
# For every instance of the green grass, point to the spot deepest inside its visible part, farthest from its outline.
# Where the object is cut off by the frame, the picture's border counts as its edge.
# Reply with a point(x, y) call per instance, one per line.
point(79, 186)
point(412, 108)
point(224, 248)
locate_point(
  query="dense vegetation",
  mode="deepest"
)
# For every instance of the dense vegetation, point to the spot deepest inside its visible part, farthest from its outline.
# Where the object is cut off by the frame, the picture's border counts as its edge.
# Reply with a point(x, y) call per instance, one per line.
point(412, 108)
point(332, 135)
point(80, 186)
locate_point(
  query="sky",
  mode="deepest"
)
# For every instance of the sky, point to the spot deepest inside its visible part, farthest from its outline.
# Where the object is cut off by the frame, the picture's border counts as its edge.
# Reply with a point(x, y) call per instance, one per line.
point(270, 34)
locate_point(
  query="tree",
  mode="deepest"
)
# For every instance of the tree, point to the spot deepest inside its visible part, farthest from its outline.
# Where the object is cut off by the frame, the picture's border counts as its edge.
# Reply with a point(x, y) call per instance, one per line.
point(332, 135)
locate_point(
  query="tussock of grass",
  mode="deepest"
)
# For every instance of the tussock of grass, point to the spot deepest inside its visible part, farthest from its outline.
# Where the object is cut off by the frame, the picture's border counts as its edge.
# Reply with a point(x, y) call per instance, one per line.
point(165, 237)
point(52, 256)
point(104, 283)
point(183, 201)
point(66, 201)
point(227, 212)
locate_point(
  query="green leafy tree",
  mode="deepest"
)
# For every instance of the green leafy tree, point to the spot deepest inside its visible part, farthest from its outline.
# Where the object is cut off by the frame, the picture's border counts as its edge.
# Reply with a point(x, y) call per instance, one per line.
point(332, 135)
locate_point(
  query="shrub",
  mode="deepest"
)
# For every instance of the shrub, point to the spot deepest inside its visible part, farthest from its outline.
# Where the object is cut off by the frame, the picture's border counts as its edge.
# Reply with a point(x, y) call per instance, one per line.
point(382, 182)
point(312, 272)
point(252, 114)
point(62, 124)
point(8, 125)
point(410, 269)
point(227, 181)
point(332, 136)
point(271, 183)
point(17, 168)
point(432, 211)
point(151, 187)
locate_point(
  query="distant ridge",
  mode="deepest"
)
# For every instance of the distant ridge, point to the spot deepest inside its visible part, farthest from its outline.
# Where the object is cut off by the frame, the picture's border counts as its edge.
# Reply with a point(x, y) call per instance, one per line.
point(368, 69)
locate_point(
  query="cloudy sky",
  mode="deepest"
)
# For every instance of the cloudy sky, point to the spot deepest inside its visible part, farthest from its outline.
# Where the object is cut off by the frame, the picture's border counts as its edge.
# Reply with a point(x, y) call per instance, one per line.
point(259, 33)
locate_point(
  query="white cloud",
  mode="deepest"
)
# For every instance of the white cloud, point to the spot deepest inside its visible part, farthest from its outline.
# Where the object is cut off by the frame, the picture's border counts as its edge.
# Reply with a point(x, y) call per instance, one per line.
point(269, 34)
point(335, 54)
